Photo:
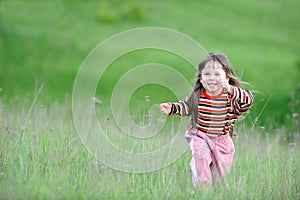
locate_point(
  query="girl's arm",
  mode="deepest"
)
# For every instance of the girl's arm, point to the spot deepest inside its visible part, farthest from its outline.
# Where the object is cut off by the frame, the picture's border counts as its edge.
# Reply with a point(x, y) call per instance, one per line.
point(242, 100)
point(179, 108)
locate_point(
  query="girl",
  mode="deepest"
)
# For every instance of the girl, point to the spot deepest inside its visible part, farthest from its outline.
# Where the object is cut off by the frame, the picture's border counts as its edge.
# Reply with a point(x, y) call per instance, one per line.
point(214, 104)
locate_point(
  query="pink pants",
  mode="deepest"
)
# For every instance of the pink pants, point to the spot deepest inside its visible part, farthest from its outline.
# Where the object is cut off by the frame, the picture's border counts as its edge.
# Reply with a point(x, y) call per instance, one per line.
point(211, 158)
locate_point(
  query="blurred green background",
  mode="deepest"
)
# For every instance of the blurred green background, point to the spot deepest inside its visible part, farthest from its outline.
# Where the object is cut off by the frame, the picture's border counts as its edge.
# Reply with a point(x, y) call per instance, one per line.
point(45, 42)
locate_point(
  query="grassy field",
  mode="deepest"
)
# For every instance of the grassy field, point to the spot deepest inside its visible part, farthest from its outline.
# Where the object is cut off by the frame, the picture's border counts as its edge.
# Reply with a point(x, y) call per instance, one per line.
point(47, 42)
point(44, 43)
point(42, 157)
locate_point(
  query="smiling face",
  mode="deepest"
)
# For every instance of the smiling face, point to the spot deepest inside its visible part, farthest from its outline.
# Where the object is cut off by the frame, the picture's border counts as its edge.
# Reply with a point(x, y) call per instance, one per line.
point(212, 77)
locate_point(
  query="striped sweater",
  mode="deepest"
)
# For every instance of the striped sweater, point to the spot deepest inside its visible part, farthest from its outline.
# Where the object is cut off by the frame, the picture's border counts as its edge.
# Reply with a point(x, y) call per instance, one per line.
point(217, 114)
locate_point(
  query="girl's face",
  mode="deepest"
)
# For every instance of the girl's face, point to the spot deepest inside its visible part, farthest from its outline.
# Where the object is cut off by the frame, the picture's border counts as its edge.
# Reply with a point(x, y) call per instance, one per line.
point(213, 77)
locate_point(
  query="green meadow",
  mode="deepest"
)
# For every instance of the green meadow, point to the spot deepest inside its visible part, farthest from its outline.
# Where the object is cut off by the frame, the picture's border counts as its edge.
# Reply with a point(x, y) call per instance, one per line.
point(42, 157)
point(47, 42)
point(44, 43)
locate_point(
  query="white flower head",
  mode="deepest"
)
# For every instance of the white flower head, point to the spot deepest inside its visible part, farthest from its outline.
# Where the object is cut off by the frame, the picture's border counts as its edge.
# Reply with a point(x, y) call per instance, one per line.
point(95, 100)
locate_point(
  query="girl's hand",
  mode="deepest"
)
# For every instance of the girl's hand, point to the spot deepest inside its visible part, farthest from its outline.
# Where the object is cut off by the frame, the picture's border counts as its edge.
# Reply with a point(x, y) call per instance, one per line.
point(165, 108)
point(225, 84)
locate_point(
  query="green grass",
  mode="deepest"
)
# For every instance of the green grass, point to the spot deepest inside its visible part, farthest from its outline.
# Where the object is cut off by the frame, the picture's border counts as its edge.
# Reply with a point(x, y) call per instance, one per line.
point(42, 157)
point(47, 41)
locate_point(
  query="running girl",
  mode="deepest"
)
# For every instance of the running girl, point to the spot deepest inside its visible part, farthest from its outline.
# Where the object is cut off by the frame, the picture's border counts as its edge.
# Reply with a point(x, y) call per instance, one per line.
point(215, 103)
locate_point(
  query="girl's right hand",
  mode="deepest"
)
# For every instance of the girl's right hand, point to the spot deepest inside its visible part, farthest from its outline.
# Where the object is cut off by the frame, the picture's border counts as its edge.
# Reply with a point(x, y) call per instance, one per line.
point(165, 108)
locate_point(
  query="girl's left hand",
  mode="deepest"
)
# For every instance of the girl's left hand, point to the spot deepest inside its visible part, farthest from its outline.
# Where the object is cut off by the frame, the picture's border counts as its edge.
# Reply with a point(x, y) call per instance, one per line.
point(225, 84)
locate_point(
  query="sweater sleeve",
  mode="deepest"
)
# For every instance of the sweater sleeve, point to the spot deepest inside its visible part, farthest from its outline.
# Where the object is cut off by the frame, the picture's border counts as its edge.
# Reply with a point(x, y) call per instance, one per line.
point(242, 100)
point(180, 108)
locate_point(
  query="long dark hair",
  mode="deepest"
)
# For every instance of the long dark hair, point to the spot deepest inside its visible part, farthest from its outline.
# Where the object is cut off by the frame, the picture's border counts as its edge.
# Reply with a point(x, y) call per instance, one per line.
point(193, 98)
